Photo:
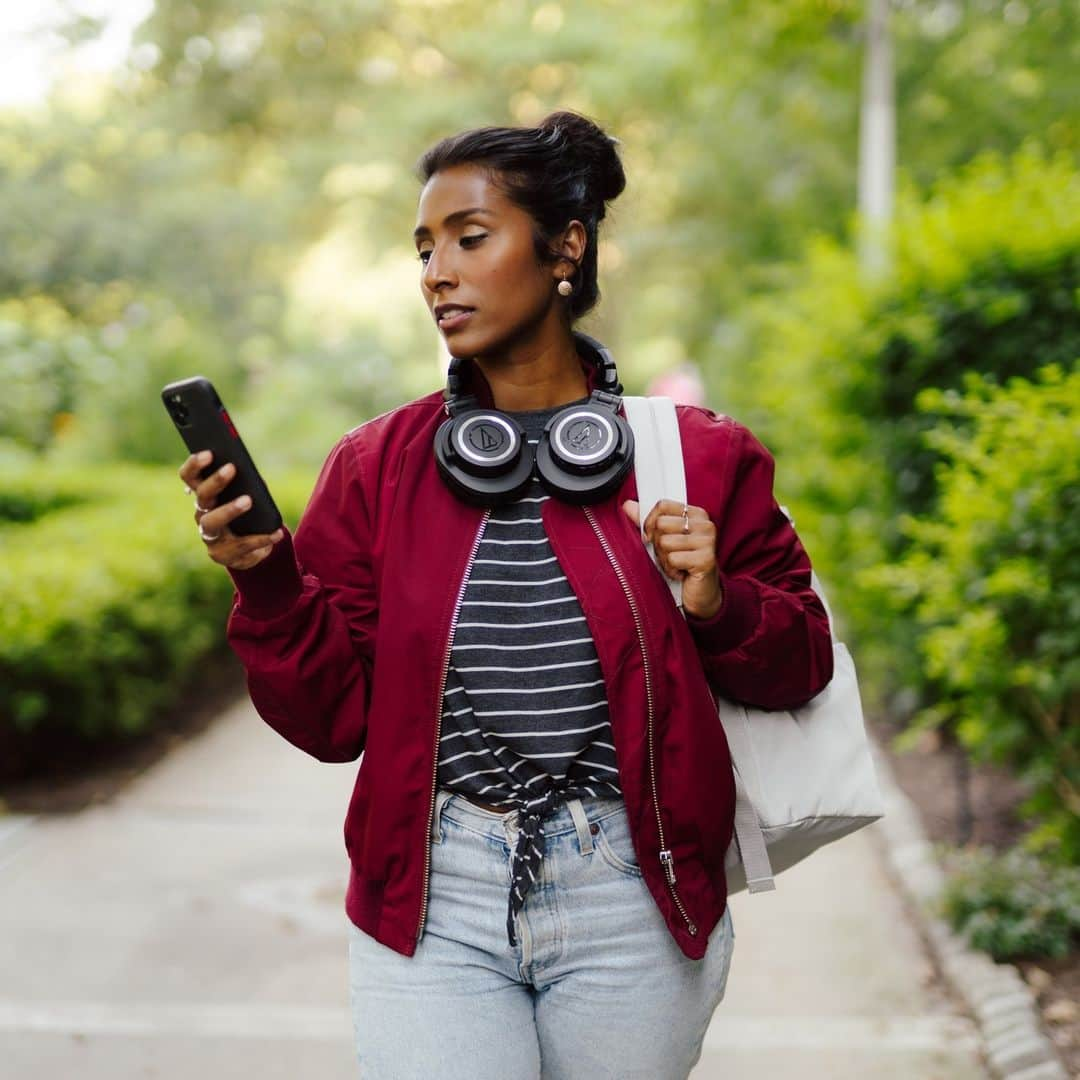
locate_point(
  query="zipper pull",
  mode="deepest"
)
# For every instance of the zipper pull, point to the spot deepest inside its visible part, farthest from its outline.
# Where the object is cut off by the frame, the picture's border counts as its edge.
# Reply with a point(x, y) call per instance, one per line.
point(667, 861)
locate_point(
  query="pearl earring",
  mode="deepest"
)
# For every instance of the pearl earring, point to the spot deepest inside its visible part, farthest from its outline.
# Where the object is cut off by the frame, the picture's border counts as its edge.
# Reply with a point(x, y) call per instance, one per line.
point(565, 288)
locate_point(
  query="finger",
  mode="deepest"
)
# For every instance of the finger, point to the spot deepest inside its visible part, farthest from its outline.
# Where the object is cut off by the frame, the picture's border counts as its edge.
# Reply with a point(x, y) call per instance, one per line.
point(191, 469)
point(667, 511)
point(247, 561)
point(242, 552)
point(218, 519)
point(248, 545)
point(691, 562)
point(632, 511)
point(667, 523)
point(671, 508)
point(648, 526)
point(670, 571)
point(210, 488)
point(680, 541)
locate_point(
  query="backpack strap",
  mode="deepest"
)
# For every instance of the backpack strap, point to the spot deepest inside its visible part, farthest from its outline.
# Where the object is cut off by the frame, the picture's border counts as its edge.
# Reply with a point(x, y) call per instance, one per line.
point(660, 474)
point(658, 461)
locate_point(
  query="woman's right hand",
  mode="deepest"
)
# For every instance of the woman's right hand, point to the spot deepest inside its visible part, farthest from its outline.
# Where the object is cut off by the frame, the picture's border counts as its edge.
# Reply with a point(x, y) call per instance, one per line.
point(222, 544)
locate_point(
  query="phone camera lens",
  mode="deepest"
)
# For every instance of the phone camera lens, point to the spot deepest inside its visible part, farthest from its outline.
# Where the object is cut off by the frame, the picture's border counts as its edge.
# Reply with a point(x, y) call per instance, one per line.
point(180, 412)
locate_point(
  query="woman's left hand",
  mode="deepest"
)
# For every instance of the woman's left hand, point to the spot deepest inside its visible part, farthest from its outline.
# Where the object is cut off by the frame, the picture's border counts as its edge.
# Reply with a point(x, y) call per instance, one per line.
point(684, 539)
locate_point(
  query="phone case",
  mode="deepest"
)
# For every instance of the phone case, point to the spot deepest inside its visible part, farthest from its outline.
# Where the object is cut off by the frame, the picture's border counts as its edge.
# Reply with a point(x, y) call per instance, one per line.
point(204, 424)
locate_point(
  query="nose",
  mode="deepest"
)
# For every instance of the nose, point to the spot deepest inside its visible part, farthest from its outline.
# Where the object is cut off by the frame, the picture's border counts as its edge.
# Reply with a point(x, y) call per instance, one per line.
point(439, 272)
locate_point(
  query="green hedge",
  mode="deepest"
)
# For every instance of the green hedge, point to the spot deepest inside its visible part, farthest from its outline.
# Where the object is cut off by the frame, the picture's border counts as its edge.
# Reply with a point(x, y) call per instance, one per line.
point(941, 509)
point(1013, 906)
point(991, 581)
point(108, 601)
point(986, 278)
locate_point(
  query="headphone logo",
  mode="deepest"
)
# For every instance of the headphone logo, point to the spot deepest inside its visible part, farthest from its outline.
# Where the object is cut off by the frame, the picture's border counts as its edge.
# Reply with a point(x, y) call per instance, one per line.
point(485, 438)
point(581, 437)
point(584, 436)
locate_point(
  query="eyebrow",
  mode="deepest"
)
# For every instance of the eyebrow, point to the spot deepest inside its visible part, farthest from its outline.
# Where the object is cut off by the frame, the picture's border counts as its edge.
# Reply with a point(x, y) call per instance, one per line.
point(453, 219)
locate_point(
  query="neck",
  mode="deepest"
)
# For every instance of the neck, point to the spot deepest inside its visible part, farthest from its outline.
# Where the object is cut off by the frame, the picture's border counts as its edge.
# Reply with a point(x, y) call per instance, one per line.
point(536, 377)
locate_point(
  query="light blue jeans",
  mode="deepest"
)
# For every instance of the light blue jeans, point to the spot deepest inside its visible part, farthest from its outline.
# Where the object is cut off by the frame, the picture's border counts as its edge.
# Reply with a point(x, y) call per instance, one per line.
point(596, 988)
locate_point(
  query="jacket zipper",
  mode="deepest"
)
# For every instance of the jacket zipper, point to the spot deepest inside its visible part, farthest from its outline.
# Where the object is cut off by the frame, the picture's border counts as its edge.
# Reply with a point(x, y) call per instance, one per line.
point(438, 716)
point(667, 858)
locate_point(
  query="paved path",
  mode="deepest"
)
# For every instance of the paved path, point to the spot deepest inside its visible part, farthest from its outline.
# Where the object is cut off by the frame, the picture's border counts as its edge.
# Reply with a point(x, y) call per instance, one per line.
point(194, 928)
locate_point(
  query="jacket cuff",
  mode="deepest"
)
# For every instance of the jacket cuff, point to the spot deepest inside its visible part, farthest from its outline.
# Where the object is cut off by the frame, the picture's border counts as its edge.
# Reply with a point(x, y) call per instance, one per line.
point(734, 623)
point(272, 586)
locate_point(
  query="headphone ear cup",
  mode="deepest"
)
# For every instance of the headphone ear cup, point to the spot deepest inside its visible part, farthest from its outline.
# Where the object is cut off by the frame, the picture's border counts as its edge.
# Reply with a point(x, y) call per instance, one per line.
point(483, 457)
point(585, 454)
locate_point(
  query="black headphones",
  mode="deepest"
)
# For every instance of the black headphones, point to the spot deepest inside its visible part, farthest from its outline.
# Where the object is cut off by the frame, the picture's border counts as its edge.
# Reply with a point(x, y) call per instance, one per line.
point(583, 456)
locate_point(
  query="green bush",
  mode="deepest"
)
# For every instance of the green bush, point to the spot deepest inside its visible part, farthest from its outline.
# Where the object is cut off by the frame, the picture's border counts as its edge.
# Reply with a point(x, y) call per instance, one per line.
point(992, 584)
point(24, 501)
point(88, 390)
point(986, 278)
point(107, 607)
point(1013, 906)
point(39, 370)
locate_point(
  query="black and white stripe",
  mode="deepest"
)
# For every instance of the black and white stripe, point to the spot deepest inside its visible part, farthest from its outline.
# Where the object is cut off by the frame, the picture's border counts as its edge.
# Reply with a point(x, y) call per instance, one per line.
point(525, 718)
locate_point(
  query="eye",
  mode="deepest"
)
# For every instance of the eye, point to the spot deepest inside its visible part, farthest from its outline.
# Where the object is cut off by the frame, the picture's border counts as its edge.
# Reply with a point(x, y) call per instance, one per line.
point(424, 255)
point(472, 239)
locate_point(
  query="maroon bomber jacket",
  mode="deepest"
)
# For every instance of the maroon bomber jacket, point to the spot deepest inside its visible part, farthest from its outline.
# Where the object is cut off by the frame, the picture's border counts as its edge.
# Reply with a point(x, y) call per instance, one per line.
point(345, 632)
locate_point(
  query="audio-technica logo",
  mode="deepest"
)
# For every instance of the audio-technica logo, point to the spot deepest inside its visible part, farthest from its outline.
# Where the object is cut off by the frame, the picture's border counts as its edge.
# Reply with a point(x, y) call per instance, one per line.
point(584, 436)
point(486, 438)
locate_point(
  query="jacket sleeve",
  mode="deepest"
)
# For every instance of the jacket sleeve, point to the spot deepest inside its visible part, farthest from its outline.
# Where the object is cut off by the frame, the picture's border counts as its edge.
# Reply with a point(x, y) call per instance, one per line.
point(303, 620)
point(769, 645)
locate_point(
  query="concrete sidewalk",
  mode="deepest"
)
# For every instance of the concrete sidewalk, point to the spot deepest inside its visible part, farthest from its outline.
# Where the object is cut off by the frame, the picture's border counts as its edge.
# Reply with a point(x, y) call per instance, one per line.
point(194, 928)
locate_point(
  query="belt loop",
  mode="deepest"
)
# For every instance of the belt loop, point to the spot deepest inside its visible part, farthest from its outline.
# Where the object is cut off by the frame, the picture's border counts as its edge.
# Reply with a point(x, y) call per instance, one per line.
point(442, 797)
point(581, 823)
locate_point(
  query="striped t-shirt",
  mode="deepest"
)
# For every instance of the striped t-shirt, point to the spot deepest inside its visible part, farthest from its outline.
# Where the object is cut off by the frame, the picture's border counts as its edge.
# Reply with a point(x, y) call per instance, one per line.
point(525, 717)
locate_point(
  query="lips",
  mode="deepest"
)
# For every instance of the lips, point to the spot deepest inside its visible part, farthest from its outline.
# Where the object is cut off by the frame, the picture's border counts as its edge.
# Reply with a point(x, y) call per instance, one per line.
point(451, 316)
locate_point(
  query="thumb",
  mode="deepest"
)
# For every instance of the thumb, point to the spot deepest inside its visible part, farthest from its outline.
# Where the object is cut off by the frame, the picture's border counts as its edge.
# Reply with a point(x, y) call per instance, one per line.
point(632, 511)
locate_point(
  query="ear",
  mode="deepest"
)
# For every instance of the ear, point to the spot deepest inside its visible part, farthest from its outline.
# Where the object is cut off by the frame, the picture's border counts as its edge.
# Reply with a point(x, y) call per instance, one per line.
point(570, 247)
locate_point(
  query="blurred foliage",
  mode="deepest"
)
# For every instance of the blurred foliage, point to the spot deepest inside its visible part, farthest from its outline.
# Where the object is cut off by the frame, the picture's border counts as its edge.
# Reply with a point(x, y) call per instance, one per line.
point(1013, 906)
point(991, 581)
point(986, 279)
point(246, 177)
point(24, 499)
point(109, 599)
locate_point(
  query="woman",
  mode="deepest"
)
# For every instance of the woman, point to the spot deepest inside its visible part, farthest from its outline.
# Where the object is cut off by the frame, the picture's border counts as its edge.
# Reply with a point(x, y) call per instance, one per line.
point(537, 832)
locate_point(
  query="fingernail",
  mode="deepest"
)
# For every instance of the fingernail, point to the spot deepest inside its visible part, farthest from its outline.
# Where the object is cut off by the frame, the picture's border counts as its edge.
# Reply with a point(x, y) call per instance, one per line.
point(279, 535)
point(243, 502)
point(204, 456)
point(224, 469)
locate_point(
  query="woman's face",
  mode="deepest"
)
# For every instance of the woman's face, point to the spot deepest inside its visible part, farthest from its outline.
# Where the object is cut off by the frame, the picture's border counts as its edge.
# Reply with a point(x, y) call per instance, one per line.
point(482, 279)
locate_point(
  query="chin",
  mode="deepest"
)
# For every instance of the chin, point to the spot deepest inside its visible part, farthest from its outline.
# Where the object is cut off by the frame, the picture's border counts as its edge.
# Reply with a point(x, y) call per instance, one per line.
point(458, 348)
point(466, 346)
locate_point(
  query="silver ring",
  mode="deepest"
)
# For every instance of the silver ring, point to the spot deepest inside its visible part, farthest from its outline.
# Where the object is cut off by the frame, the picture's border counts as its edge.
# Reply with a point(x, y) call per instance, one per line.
point(187, 490)
point(208, 538)
point(200, 509)
point(685, 520)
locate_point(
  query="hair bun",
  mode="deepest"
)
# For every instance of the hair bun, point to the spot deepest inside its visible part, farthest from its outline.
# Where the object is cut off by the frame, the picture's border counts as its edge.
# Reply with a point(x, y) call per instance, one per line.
point(595, 149)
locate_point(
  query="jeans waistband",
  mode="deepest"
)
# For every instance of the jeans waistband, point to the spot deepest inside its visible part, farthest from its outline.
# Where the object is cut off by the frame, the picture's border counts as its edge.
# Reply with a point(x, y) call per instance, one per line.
point(574, 815)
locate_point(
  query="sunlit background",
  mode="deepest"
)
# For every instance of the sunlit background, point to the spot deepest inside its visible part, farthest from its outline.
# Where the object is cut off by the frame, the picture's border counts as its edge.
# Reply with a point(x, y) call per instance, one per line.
point(225, 187)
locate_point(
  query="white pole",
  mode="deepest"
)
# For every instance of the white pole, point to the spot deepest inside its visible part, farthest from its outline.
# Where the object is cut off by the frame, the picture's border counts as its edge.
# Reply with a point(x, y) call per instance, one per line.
point(877, 141)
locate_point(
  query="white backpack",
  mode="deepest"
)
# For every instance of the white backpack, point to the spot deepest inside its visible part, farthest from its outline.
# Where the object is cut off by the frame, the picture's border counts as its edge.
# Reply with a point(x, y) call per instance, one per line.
point(802, 778)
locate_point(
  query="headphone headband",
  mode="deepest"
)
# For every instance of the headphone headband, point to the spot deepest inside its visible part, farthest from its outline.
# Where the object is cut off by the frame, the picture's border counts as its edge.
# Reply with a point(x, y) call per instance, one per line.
point(600, 357)
point(591, 350)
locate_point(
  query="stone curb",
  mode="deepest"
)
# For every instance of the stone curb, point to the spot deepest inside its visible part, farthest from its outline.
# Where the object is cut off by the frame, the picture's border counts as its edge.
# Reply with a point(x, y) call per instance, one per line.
point(1003, 1005)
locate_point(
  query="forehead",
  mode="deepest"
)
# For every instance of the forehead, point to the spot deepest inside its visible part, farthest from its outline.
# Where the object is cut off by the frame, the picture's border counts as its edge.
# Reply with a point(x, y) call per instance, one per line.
point(455, 189)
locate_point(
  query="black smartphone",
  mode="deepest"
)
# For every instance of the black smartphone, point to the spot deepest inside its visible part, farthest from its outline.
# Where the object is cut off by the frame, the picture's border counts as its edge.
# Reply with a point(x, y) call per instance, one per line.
point(204, 424)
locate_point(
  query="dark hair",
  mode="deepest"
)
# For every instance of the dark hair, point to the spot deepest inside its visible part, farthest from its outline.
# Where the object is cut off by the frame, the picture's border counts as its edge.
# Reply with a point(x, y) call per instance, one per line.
point(563, 169)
